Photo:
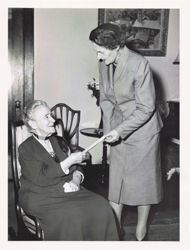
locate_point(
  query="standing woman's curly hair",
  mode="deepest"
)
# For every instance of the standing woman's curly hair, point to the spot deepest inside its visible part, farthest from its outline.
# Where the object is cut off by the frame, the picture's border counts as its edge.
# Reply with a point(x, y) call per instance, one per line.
point(108, 35)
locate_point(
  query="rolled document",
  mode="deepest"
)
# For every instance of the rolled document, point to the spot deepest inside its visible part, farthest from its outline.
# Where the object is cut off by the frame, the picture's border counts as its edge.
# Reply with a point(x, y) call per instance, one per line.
point(95, 143)
point(66, 170)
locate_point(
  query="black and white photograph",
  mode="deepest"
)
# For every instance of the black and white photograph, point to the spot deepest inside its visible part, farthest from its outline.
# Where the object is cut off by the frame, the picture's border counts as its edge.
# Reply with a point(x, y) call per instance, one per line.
point(93, 125)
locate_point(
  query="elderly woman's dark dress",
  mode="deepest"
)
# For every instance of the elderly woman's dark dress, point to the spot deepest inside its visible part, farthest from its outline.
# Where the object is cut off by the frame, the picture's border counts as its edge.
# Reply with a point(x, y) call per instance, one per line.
point(81, 215)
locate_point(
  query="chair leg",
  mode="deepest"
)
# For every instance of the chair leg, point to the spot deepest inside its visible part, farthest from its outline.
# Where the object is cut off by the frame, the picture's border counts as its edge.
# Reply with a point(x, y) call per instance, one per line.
point(24, 234)
point(11, 234)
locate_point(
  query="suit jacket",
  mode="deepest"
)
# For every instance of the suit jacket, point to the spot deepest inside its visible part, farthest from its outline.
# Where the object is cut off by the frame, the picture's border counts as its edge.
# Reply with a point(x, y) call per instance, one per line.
point(127, 99)
point(40, 172)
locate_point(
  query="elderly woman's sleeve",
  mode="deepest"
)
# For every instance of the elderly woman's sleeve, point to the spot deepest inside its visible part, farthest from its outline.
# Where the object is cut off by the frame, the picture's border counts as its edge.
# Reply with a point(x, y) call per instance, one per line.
point(69, 148)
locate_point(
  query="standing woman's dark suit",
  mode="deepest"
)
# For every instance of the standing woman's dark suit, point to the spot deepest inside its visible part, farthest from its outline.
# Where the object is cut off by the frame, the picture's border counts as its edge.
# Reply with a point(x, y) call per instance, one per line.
point(78, 215)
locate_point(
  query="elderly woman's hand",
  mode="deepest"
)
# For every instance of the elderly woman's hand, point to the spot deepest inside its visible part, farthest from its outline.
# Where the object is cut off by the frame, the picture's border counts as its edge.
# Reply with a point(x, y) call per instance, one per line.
point(74, 184)
point(77, 157)
point(73, 158)
point(71, 187)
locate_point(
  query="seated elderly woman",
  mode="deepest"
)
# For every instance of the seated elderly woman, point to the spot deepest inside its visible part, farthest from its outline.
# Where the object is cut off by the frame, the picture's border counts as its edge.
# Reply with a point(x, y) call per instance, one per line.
point(50, 185)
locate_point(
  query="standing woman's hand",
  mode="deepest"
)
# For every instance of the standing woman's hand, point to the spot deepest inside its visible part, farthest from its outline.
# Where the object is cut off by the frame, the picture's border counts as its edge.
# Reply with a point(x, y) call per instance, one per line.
point(112, 136)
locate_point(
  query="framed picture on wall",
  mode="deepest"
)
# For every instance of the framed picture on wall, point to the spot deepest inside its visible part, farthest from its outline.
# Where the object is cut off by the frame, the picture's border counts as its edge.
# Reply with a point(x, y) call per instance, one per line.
point(146, 29)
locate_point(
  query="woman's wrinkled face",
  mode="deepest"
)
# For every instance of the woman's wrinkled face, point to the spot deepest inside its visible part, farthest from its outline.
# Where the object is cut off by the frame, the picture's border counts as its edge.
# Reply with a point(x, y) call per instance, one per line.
point(42, 121)
point(106, 55)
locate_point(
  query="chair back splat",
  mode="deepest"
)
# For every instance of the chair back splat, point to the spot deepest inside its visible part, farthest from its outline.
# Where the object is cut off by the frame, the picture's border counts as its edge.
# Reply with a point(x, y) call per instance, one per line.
point(70, 121)
point(67, 122)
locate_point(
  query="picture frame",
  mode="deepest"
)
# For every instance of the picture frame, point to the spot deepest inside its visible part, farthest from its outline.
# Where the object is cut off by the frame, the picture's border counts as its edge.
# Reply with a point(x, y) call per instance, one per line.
point(146, 29)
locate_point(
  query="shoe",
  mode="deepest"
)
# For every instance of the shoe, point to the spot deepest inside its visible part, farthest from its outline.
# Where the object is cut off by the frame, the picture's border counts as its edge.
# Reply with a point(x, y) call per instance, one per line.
point(144, 239)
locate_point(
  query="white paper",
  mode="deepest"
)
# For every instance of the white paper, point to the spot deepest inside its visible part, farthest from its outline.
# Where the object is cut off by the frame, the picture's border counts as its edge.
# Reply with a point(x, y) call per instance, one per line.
point(95, 143)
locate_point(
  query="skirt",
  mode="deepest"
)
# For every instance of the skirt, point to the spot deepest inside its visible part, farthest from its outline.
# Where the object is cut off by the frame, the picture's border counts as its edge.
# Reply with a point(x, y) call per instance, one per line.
point(135, 172)
point(75, 216)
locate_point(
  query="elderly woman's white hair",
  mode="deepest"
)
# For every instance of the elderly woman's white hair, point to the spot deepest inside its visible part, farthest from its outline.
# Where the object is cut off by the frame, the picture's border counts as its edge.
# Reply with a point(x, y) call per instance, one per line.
point(29, 110)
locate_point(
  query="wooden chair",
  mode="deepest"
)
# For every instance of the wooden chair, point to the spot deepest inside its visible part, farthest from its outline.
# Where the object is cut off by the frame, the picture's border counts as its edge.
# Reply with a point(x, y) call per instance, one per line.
point(28, 226)
point(70, 122)
point(67, 126)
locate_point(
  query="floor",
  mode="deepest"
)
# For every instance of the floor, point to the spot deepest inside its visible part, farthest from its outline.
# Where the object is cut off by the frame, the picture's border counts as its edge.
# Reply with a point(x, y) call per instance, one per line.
point(164, 218)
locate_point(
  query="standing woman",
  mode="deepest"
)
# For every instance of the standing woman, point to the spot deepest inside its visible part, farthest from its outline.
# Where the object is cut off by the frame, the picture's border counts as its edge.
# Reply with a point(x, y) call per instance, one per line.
point(132, 123)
